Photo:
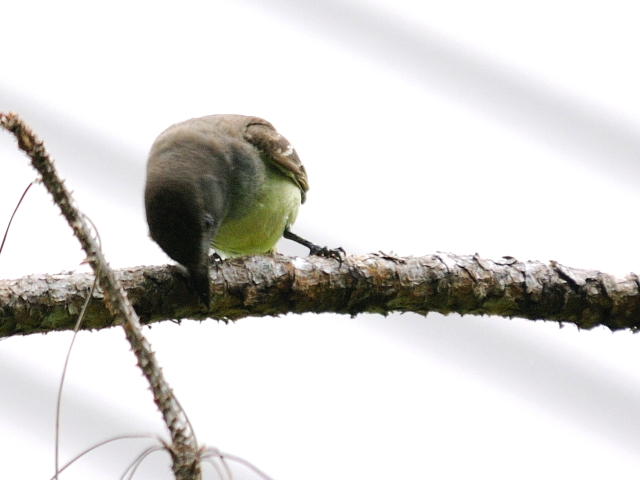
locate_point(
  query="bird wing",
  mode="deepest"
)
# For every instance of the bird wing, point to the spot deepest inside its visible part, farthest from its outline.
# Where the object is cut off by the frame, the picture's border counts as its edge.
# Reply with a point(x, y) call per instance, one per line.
point(277, 150)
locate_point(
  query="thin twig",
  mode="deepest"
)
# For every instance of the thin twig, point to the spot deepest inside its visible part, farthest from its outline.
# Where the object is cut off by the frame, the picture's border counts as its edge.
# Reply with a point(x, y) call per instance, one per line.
point(133, 467)
point(6, 232)
point(98, 445)
point(64, 372)
point(211, 453)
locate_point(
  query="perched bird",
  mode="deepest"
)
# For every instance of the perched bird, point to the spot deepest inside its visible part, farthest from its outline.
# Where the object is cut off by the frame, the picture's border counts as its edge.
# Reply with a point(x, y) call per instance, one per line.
point(229, 182)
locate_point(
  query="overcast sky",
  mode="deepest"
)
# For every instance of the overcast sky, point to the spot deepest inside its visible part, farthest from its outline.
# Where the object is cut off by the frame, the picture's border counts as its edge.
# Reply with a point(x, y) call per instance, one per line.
point(502, 128)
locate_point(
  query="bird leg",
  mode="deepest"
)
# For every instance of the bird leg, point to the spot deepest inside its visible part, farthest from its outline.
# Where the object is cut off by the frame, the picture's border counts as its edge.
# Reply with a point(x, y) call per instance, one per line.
point(337, 253)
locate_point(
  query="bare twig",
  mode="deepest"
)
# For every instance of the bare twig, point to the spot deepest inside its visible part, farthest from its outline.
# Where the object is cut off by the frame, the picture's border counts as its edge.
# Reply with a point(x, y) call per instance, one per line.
point(6, 232)
point(184, 448)
point(64, 373)
point(211, 454)
point(98, 445)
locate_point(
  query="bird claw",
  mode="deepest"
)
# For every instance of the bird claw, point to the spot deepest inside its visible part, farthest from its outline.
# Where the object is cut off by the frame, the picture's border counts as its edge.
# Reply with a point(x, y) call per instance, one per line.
point(215, 259)
point(335, 253)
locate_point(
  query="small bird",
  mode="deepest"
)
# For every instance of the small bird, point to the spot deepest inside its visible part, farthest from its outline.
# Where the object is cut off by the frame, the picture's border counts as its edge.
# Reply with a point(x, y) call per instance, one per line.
point(229, 182)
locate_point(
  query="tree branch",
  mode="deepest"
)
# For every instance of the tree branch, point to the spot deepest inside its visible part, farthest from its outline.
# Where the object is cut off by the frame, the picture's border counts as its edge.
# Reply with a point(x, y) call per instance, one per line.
point(374, 283)
point(184, 449)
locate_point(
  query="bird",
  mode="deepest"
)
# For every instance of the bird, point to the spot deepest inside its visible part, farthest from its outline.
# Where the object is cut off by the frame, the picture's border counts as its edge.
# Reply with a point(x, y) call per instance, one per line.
point(227, 182)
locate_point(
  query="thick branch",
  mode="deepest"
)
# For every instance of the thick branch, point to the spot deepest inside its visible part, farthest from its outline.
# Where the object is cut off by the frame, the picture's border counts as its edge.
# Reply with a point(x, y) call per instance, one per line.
point(375, 283)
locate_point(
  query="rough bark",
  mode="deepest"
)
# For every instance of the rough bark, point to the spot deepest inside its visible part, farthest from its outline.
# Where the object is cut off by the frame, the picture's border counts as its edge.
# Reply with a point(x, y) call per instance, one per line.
point(374, 283)
point(184, 449)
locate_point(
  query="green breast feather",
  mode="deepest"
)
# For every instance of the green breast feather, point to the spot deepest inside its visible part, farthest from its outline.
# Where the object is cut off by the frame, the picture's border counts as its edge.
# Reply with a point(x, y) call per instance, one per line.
point(260, 229)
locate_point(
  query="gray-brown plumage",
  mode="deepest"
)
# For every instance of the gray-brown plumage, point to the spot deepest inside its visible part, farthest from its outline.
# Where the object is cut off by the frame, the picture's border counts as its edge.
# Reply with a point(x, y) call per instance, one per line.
point(229, 182)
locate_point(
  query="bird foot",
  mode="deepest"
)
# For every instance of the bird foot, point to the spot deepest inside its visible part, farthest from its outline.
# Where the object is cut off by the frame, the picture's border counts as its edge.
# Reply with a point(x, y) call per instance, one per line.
point(335, 253)
point(215, 259)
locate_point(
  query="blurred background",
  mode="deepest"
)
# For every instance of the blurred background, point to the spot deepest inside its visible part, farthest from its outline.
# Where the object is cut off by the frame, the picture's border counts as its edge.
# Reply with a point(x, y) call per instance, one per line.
point(493, 127)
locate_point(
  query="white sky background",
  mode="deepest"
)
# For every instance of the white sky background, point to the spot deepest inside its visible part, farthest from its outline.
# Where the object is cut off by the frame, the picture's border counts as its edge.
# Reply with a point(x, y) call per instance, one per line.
point(503, 128)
